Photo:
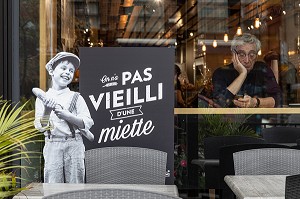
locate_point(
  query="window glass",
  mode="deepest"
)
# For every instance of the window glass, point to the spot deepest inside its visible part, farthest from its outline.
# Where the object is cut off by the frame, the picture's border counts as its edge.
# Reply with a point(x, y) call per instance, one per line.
point(201, 31)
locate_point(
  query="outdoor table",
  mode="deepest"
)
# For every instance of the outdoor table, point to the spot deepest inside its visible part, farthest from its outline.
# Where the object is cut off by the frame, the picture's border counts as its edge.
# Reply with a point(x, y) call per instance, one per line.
point(257, 186)
point(38, 190)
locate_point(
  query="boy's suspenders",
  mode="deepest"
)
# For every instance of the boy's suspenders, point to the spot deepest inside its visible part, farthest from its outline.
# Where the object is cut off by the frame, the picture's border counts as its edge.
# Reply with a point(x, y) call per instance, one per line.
point(71, 108)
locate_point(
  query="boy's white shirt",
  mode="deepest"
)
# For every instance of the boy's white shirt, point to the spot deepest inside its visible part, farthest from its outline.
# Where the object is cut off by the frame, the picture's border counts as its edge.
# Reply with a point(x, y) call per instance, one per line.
point(58, 126)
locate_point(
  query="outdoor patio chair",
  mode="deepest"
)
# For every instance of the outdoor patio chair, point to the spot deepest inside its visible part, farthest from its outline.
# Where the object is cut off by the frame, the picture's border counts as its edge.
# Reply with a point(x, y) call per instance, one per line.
point(109, 194)
point(227, 165)
point(292, 187)
point(211, 151)
point(267, 161)
point(125, 165)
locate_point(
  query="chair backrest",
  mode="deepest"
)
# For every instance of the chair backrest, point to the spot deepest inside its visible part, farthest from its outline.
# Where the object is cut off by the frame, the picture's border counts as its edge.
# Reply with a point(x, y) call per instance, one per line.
point(227, 165)
point(292, 187)
point(267, 161)
point(281, 134)
point(125, 165)
point(211, 151)
point(109, 194)
point(213, 144)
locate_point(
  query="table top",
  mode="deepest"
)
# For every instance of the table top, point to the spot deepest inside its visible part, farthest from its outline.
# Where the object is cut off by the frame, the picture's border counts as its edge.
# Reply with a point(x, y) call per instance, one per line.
point(38, 190)
point(257, 186)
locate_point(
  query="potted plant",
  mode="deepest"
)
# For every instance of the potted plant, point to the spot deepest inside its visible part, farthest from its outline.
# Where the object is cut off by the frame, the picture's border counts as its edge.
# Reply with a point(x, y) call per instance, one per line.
point(223, 125)
point(16, 131)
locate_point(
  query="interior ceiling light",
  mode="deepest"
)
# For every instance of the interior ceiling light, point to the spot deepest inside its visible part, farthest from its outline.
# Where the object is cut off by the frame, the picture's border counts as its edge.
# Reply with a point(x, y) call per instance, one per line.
point(259, 52)
point(226, 37)
point(256, 22)
point(215, 44)
point(203, 48)
point(239, 31)
point(128, 3)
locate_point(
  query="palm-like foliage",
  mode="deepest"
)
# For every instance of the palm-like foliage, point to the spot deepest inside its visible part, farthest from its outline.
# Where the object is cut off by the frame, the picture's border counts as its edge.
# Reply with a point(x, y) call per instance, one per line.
point(222, 125)
point(16, 131)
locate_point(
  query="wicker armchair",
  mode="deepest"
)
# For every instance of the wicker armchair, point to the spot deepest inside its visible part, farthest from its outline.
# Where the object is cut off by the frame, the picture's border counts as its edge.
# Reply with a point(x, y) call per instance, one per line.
point(125, 165)
point(227, 163)
point(109, 194)
point(267, 161)
point(212, 146)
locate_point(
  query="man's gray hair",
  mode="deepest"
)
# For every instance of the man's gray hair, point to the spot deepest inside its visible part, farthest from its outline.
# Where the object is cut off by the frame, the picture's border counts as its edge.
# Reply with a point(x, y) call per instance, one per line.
point(245, 38)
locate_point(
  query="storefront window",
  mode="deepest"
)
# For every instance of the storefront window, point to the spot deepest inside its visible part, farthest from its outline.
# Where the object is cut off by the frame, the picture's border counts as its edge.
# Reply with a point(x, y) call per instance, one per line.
point(201, 32)
point(29, 46)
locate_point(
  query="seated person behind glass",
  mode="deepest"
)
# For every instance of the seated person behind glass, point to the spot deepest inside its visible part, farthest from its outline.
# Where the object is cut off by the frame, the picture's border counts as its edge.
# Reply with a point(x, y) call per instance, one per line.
point(271, 59)
point(246, 77)
point(182, 85)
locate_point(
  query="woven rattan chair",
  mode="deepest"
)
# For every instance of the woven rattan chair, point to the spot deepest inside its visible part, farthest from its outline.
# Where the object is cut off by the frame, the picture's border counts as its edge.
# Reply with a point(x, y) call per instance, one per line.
point(109, 194)
point(227, 165)
point(292, 187)
point(125, 165)
point(212, 146)
point(267, 161)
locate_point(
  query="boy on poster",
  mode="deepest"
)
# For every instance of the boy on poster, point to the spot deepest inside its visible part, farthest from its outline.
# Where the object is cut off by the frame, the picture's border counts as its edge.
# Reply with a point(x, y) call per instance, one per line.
point(64, 148)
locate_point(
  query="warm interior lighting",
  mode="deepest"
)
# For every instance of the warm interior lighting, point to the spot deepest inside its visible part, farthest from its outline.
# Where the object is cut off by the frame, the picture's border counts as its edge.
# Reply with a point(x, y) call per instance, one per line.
point(256, 22)
point(203, 48)
point(123, 21)
point(226, 37)
point(291, 52)
point(191, 34)
point(239, 31)
point(259, 52)
point(215, 44)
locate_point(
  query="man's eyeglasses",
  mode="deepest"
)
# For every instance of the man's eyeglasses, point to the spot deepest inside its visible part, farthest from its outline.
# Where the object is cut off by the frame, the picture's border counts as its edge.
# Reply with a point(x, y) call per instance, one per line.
point(242, 55)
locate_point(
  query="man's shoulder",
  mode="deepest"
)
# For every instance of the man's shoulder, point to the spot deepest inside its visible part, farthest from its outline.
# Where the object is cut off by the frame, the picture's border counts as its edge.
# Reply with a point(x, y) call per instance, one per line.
point(261, 67)
point(228, 67)
point(260, 64)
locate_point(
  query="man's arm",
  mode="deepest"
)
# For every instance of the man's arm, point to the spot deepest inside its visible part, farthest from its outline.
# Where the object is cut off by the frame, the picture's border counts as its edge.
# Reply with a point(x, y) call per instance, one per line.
point(255, 102)
point(271, 93)
point(220, 94)
point(236, 85)
point(267, 102)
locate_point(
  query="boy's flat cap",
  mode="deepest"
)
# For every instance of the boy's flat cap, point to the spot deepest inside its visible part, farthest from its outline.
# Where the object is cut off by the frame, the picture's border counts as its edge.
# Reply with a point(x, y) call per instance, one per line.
point(74, 59)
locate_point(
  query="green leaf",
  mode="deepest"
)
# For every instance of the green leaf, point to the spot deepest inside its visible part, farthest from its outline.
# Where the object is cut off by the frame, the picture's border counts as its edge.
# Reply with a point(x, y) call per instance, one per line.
point(16, 131)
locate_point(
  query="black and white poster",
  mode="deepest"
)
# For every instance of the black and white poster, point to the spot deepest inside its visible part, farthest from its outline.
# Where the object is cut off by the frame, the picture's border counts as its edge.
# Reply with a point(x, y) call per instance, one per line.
point(129, 92)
